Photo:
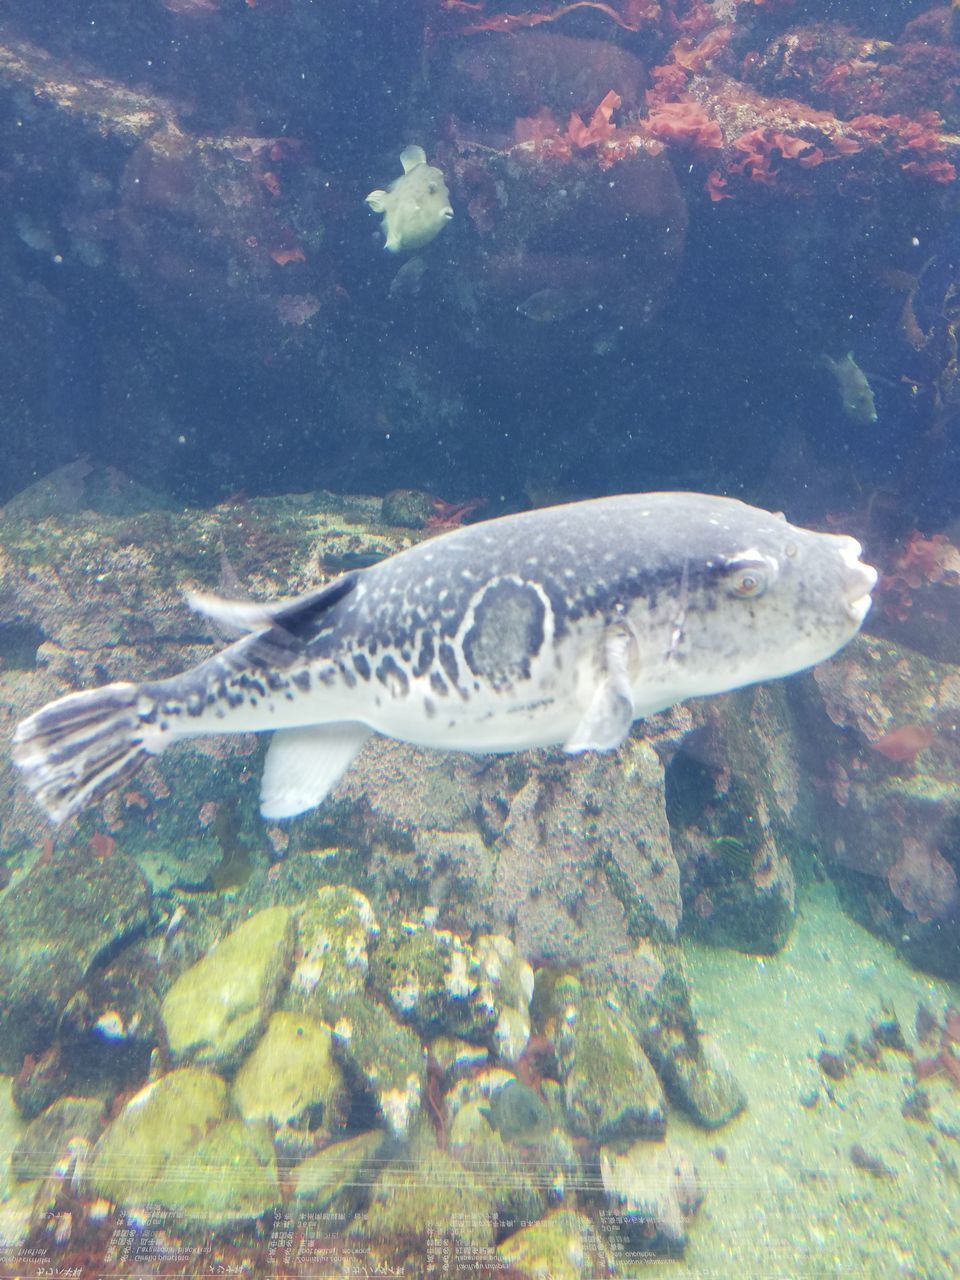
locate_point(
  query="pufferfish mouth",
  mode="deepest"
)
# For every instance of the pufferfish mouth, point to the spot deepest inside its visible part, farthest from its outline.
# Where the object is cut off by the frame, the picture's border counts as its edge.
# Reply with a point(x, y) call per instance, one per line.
point(860, 580)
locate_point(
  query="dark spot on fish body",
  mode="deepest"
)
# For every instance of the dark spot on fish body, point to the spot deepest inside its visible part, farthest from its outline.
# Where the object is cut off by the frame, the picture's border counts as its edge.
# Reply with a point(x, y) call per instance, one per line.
point(362, 666)
point(426, 655)
point(438, 684)
point(302, 680)
point(393, 677)
point(507, 632)
point(429, 708)
point(448, 661)
point(349, 679)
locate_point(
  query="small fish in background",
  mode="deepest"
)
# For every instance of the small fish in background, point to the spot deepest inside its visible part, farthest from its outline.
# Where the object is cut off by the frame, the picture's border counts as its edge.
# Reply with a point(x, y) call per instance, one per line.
point(547, 306)
point(855, 390)
point(416, 207)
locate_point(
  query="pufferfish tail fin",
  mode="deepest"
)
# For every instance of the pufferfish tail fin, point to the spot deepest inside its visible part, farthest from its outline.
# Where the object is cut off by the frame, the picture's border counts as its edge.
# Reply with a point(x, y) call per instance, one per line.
point(76, 749)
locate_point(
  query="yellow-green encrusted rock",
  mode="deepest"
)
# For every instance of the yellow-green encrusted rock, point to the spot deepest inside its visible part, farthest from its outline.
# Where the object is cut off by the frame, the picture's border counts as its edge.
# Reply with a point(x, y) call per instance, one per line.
point(157, 1125)
point(561, 1246)
point(172, 1145)
point(292, 1072)
point(335, 1180)
point(215, 1011)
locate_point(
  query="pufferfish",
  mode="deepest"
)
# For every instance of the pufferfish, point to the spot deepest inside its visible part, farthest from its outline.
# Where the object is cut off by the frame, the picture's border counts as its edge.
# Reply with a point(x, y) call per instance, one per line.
point(557, 627)
point(416, 207)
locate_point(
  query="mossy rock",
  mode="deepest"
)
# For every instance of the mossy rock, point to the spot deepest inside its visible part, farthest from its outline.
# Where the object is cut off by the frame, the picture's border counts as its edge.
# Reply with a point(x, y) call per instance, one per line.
point(610, 1088)
point(334, 931)
point(291, 1079)
point(44, 1141)
point(216, 1010)
point(335, 1180)
point(387, 1056)
point(174, 1146)
point(432, 1195)
point(563, 1246)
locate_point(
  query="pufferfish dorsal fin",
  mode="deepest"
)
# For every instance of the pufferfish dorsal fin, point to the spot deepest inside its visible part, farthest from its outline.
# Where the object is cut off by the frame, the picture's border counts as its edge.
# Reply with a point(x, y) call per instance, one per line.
point(410, 157)
point(296, 616)
point(607, 720)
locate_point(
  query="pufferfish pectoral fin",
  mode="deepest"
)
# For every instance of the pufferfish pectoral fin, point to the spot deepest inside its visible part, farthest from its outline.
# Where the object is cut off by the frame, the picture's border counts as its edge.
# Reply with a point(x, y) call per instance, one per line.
point(607, 720)
point(302, 766)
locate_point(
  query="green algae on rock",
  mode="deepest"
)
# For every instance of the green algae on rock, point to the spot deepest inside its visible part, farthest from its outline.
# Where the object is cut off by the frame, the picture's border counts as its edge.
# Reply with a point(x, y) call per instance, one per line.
point(291, 1079)
point(335, 1180)
point(526, 1172)
point(387, 1055)
point(563, 1246)
point(215, 1011)
point(175, 1146)
point(47, 1140)
point(439, 983)
point(610, 1088)
point(64, 915)
point(334, 931)
point(431, 1195)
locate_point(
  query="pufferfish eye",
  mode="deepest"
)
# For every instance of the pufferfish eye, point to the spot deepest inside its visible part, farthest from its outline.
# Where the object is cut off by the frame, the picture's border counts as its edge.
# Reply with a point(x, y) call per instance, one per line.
point(748, 575)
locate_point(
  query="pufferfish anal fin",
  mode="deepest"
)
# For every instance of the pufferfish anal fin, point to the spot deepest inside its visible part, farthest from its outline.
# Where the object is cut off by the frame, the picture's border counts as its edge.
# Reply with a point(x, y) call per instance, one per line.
point(607, 720)
point(302, 765)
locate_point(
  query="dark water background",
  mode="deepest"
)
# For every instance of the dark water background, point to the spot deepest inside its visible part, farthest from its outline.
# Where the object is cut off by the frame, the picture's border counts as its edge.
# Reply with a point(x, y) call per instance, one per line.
point(100, 359)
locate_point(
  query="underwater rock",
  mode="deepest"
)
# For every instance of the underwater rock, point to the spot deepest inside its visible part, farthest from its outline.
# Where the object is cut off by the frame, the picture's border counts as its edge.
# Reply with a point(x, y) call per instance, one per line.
point(65, 914)
point(584, 861)
point(610, 1088)
point(889, 750)
point(388, 1056)
point(489, 81)
point(605, 247)
point(110, 1027)
point(739, 804)
point(457, 1058)
point(292, 1080)
point(334, 1181)
point(173, 1145)
point(58, 1138)
point(437, 982)
point(563, 1245)
point(525, 1174)
point(217, 1009)
point(700, 1081)
point(431, 1195)
point(408, 508)
point(334, 931)
point(652, 1193)
point(918, 599)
